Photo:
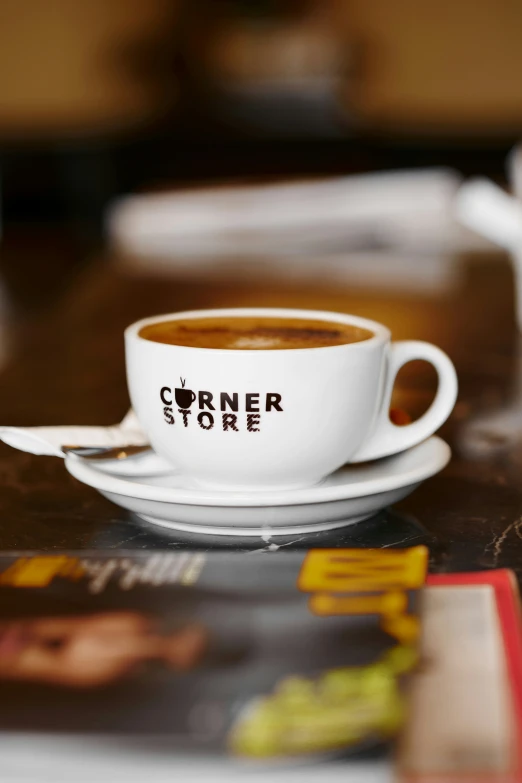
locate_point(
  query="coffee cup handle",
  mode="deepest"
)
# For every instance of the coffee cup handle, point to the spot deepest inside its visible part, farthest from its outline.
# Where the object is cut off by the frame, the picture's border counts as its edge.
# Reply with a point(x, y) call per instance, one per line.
point(388, 438)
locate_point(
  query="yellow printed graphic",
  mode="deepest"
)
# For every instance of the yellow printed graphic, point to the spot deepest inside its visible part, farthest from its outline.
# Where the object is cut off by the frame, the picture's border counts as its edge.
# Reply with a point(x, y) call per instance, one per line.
point(41, 570)
point(327, 604)
point(353, 570)
point(336, 710)
point(401, 659)
point(403, 627)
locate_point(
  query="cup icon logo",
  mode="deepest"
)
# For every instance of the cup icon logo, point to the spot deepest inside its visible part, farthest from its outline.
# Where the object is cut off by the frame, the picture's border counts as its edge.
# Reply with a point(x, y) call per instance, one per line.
point(184, 397)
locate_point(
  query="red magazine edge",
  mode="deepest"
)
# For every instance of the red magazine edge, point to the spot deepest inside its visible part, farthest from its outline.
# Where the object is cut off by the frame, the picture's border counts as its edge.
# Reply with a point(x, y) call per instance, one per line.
point(507, 600)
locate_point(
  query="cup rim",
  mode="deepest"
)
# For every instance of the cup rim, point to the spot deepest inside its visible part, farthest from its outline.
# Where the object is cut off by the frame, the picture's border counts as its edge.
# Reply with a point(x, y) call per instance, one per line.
point(381, 333)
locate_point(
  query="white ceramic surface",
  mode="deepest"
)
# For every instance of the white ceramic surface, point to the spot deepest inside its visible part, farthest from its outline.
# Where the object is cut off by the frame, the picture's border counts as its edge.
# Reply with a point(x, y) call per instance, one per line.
point(150, 488)
point(276, 419)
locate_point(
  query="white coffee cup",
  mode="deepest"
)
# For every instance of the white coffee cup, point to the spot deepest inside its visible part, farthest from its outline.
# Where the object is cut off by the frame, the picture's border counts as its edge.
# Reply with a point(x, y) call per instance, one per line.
point(265, 419)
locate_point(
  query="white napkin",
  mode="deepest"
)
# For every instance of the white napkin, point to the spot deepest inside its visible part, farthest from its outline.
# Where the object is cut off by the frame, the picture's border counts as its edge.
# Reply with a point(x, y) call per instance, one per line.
point(398, 210)
point(49, 440)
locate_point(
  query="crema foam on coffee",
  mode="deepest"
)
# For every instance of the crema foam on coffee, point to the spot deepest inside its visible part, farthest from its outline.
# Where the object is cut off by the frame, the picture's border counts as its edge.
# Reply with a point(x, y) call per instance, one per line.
point(253, 333)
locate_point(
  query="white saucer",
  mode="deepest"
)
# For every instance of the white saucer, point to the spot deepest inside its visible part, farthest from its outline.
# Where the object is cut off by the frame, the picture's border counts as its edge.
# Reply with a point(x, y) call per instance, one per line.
point(157, 493)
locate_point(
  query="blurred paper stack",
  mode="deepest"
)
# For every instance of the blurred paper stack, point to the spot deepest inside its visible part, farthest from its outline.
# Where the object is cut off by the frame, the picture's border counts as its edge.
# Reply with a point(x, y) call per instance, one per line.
point(392, 229)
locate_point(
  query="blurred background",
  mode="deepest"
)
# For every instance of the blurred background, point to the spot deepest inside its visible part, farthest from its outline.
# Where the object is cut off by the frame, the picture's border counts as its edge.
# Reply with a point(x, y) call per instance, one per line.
point(101, 99)
point(165, 155)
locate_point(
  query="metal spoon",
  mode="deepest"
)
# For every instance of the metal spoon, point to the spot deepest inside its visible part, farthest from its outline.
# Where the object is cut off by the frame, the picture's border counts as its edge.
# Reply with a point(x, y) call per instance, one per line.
point(106, 452)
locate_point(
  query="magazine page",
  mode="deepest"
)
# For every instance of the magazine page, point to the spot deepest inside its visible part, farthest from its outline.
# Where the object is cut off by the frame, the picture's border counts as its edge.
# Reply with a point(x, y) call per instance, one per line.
point(259, 660)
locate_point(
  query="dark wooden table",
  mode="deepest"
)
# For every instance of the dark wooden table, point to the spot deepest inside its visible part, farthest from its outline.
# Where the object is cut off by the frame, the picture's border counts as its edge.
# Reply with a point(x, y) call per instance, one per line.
point(67, 367)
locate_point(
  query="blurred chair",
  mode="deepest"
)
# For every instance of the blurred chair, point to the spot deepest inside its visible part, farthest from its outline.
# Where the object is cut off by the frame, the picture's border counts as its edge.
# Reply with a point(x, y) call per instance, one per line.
point(77, 75)
point(273, 68)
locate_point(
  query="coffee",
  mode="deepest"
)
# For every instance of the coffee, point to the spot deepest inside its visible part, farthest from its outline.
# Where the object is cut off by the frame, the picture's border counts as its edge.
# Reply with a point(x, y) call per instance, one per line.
point(253, 333)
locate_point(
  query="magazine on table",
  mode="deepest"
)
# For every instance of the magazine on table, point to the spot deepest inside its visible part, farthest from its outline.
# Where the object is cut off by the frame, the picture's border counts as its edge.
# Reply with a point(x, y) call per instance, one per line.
point(265, 661)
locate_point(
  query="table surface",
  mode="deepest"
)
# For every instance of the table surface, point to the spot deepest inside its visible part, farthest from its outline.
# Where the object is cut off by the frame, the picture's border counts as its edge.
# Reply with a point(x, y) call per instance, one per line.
point(67, 367)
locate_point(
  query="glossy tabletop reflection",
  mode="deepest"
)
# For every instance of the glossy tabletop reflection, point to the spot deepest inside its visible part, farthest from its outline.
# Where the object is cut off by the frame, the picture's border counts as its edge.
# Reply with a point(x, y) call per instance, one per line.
point(67, 367)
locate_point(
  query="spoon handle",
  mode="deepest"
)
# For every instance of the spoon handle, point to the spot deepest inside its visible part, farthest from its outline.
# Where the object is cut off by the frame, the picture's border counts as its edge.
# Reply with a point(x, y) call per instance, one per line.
point(106, 452)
